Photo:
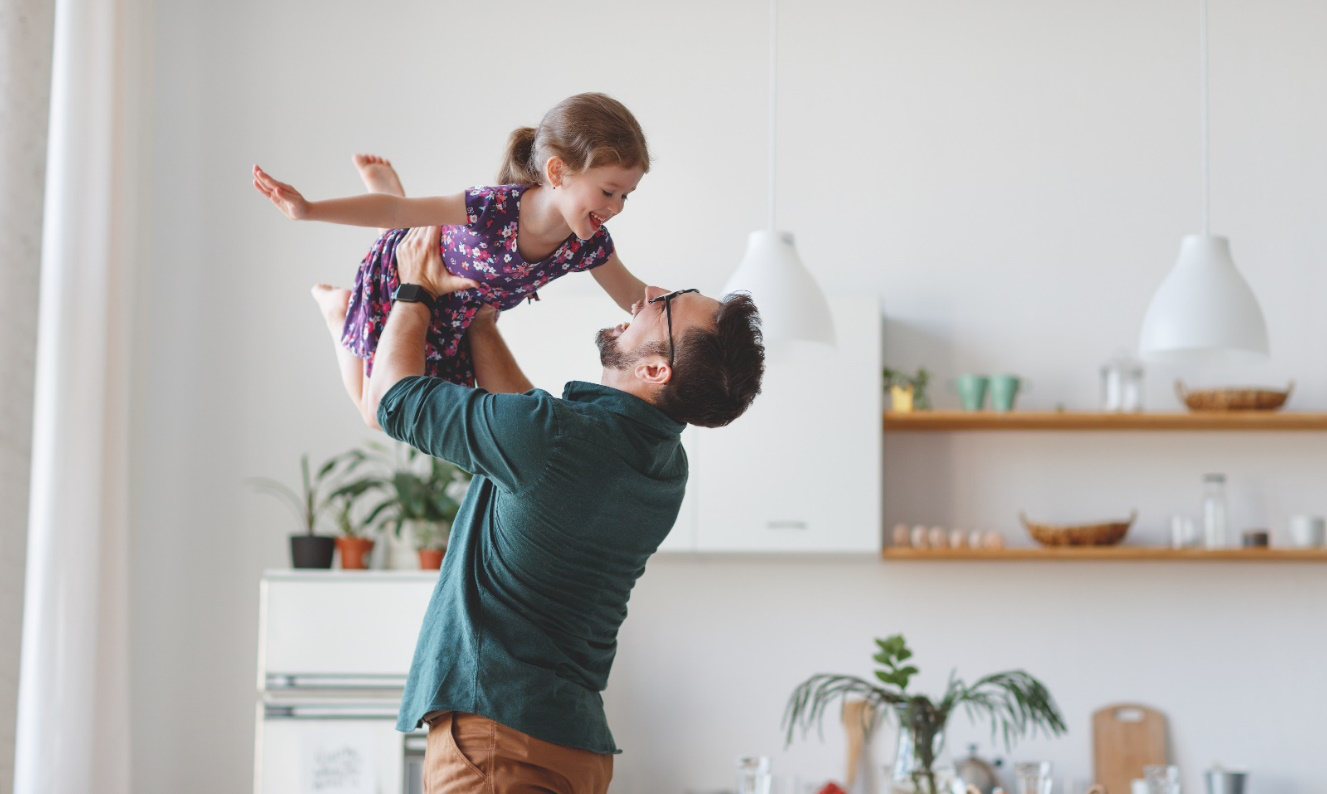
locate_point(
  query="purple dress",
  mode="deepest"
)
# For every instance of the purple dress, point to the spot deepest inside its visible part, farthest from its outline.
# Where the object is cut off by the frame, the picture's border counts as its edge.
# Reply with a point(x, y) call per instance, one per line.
point(484, 250)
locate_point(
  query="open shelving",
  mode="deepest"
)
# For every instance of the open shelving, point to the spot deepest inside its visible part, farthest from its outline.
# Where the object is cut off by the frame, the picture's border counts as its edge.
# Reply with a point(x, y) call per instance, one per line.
point(951, 421)
point(1106, 553)
point(1079, 421)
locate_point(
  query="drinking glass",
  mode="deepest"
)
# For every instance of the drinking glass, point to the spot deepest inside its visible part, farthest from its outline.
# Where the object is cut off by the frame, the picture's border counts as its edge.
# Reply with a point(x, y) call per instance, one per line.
point(1162, 778)
point(753, 775)
point(1034, 777)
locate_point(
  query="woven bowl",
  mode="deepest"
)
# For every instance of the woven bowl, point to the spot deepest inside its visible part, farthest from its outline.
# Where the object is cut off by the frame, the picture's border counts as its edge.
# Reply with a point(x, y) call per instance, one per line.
point(1233, 399)
point(1106, 533)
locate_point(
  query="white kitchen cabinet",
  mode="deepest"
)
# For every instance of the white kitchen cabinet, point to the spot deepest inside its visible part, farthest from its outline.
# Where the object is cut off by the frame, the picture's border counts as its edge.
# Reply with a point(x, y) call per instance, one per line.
point(800, 472)
point(334, 649)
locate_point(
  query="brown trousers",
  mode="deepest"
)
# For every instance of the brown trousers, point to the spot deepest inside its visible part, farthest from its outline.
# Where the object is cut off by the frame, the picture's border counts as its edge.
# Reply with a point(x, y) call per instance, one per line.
point(468, 754)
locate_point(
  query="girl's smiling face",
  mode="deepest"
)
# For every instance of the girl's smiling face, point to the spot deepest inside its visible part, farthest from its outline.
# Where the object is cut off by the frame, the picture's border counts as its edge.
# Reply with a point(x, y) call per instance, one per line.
point(589, 199)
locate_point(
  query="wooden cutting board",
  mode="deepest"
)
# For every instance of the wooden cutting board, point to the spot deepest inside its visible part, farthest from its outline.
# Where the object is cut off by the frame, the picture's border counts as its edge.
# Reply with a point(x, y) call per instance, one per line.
point(1125, 738)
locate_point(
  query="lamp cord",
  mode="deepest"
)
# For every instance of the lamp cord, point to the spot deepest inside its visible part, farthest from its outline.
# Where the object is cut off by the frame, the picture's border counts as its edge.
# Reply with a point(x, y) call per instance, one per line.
point(1207, 186)
point(773, 97)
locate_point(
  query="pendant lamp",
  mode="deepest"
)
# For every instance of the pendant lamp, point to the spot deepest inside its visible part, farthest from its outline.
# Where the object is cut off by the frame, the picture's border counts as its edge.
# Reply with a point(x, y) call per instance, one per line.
point(1204, 311)
point(792, 307)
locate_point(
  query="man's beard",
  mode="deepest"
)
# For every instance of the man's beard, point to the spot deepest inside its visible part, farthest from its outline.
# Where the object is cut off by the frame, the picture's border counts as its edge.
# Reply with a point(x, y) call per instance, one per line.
point(611, 356)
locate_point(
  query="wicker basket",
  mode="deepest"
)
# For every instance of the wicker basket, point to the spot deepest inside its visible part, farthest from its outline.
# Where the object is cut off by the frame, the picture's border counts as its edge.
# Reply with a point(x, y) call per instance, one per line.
point(1106, 533)
point(1233, 399)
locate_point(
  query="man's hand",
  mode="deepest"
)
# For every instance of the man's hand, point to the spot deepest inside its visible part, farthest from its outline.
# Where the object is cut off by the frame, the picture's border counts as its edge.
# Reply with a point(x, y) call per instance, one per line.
point(418, 261)
point(286, 198)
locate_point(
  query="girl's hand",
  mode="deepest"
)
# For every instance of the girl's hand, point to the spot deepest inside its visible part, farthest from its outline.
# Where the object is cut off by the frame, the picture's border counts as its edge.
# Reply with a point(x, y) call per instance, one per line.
point(286, 198)
point(418, 261)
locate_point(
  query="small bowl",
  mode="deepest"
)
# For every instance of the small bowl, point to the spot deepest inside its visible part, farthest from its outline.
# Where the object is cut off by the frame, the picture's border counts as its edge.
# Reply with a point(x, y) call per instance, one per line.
point(1105, 533)
point(1241, 399)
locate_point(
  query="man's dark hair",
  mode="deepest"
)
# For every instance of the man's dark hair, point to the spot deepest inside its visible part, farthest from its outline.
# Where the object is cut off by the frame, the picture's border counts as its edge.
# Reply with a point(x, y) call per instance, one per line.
point(717, 373)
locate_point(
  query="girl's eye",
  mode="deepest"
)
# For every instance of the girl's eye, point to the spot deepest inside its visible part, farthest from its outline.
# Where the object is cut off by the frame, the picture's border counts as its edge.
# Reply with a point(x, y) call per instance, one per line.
point(608, 193)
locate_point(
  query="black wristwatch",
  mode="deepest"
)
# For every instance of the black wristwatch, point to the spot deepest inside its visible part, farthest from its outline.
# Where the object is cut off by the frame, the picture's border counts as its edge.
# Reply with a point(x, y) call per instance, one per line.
point(414, 293)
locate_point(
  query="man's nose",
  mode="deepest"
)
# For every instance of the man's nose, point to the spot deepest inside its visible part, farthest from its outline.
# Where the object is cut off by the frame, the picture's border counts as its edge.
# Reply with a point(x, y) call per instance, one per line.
point(654, 292)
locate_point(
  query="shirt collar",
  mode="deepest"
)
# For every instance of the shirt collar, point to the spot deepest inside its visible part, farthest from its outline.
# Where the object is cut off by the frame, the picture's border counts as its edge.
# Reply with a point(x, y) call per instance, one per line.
point(619, 402)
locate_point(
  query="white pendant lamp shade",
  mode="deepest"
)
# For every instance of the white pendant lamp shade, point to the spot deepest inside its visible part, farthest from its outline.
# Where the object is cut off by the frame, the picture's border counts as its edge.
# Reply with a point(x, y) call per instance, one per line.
point(792, 307)
point(1204, 311)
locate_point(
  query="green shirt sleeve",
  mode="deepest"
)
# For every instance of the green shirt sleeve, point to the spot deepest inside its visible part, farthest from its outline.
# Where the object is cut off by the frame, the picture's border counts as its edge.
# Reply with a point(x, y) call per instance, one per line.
point(506, 437)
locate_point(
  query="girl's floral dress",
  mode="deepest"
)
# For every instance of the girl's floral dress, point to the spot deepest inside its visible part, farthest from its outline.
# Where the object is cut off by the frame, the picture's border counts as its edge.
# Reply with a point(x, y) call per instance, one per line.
point(484, 250)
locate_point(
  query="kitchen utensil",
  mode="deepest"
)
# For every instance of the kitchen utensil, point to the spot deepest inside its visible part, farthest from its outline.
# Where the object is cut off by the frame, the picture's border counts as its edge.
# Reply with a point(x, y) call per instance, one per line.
point(753, 774)
point(1105, 533)
point(1125, 738)
point(1224, 781)
point(1238, 399)
point(1162, 778)
point(1033, 777)
point(858, 716)
point(977, 773)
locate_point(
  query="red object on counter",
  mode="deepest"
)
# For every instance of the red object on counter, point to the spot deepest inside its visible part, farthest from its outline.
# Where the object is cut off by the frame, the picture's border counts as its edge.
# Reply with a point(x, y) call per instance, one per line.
point(831, 788)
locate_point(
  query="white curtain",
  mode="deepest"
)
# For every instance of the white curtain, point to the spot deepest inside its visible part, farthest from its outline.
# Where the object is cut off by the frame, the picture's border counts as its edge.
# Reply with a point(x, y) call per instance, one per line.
point(25, 89)
point(73, 702)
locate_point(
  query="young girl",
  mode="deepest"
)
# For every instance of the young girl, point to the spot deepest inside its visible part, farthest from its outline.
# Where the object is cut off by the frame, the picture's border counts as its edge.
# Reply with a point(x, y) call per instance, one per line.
point(559, 185)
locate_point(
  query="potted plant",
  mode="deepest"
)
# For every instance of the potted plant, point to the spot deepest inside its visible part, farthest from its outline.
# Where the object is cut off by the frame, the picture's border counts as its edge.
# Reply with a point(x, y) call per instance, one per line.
point(431, 544)
point(908, 391)
point(354, 541)
point(307, 549)
point(419, 493)
point(1014, 702)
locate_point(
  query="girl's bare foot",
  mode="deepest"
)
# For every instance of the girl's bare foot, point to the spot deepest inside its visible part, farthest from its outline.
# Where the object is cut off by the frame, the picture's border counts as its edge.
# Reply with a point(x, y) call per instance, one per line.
point(333, 302)
point(378, 174)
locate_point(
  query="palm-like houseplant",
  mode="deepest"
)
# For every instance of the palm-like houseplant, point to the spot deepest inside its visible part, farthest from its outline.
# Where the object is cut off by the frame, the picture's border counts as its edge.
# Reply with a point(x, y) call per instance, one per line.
point(1014, 702)
point(318, 493)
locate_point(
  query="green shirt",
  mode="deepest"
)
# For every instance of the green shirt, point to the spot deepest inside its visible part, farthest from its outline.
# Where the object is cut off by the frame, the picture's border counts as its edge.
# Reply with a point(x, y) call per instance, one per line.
point(570, 498)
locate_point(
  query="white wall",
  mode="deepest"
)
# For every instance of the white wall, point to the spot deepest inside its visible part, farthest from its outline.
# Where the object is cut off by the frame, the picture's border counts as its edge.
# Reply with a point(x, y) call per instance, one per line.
point(1012, 179)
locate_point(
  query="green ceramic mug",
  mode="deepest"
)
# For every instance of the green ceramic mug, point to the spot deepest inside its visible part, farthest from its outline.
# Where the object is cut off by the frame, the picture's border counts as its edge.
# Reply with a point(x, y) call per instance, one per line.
point(972, 391)
point(1004, 388)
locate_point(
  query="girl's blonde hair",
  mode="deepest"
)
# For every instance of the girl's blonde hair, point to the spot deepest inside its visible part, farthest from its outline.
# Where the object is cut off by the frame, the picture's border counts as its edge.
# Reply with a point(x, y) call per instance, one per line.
point(585, 131)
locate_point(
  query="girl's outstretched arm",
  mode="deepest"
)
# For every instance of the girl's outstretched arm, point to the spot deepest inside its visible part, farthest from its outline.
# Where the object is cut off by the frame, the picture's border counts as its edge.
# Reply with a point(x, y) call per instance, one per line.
point(370, 209)
point(624, 288)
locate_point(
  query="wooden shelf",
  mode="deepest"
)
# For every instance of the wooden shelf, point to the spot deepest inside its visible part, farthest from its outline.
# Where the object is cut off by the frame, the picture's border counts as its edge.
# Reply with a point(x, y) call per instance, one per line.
point(946, 421)
point(1098, 553)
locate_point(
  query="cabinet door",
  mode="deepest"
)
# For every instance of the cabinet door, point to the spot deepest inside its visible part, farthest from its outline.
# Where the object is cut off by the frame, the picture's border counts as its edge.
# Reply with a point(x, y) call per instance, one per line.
point(340, 626)
point(800, 471)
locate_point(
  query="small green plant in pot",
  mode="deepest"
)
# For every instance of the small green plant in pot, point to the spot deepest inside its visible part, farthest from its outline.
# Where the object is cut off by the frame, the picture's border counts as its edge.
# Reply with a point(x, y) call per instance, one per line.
point(317, 494)
point(908, 391)
point(1015, 703)
point(415, 491)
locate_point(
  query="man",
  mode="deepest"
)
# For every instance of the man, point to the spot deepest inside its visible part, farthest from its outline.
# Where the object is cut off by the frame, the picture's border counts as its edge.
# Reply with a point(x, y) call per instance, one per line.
point(570, 498)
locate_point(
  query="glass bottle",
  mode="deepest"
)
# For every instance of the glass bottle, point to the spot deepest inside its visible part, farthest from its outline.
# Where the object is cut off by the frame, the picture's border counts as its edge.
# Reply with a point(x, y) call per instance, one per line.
point(1122, 385)
point(1214, 511)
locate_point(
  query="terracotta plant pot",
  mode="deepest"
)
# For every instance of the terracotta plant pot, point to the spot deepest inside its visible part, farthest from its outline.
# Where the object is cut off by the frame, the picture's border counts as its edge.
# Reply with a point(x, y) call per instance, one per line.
point(311, 551)
point(354, 552)
point(430, 559)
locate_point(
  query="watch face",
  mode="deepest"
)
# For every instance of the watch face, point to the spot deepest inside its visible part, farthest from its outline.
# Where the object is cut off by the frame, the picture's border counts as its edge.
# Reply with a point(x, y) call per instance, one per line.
point(413, 293)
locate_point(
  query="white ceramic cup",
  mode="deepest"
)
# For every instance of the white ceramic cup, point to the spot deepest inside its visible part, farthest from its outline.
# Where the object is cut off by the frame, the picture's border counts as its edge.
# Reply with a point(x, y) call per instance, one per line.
point(1308, 531)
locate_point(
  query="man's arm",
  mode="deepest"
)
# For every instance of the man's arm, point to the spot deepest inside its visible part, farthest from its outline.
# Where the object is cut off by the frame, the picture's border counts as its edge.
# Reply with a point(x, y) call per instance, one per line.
point(400, 351)
point(496, 369)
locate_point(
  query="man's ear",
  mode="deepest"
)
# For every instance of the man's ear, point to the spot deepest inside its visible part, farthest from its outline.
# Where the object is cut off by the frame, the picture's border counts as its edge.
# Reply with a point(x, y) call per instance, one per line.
point(653, 370)
point(555, 170)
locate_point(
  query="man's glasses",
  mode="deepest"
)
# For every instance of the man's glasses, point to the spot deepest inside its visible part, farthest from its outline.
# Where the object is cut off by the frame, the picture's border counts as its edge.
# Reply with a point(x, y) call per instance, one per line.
point(668, 312)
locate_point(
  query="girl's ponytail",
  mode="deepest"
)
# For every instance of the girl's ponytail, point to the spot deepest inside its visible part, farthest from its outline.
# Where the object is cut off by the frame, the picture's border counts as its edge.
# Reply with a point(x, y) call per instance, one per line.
point(518, 166)
point(584, 131)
